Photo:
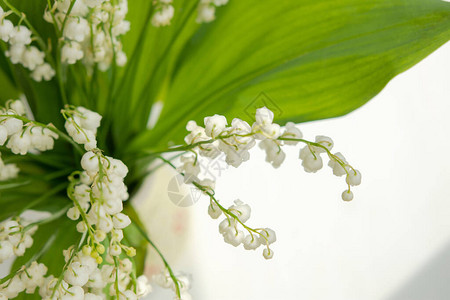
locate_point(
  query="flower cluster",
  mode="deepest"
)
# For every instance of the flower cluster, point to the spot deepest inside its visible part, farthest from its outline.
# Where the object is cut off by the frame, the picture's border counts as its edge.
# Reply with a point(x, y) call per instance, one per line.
point(23, 137)
point(190, 168)
point(182, 283)
point(26, 279)
point(236, 140)
point(206, 11)
point(236, 215)
point(15, 238)
point(81, 124)
point(85, 278)
point(21, 51)
point(7, 171)
point(312, 162)
point(91, 31)
point(98, 194)
point(164, 13)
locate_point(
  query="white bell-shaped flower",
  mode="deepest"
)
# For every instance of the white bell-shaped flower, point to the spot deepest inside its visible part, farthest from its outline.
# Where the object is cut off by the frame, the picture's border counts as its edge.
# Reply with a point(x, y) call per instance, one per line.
point(89, 162)
point(3, 134)
point(163, 16)
point(71, 52)
point(19, 143)
point(13, 125)
point(291, 131)
point(76, 29)
point(32, 57)
point(6, 30)
point(206, 13)
point(251, 242)
point(43, 72)
point(353, 177)
point(215, 125)
point(20, 36)
point(338, 170)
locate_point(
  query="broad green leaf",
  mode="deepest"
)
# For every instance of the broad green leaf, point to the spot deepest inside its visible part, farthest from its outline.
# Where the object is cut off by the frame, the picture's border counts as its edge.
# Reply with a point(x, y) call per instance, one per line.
point(311, 59)
point(9, 91)
point(39, 186)
point(152, 53)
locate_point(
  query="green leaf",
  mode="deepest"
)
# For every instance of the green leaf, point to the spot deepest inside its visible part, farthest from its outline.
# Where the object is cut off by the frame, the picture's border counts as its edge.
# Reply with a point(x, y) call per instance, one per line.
point(311, 59)
point(8, 89)
point(134, 238)
point(39, 186)
point(152, 53)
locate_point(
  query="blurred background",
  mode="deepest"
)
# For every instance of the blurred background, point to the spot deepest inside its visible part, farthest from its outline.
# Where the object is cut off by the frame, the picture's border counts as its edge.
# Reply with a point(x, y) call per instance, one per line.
point(391, 242)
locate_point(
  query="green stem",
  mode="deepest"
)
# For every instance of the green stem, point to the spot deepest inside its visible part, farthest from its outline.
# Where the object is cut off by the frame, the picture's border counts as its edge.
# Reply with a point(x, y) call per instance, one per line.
point(59, 68)
point(70, 190)
point(192, 146)
point(116, 282)
point(223, 137)
point(69, 10)
point(223, 209)
point(166, 264)
point(61, 276)
point(330, 155)
point(55, 24)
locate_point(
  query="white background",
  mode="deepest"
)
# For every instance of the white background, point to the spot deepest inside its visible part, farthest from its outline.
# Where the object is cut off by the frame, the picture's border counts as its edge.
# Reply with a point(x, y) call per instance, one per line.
point(391, 242)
